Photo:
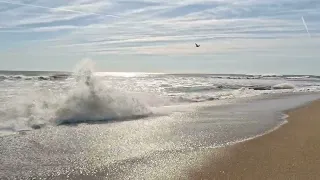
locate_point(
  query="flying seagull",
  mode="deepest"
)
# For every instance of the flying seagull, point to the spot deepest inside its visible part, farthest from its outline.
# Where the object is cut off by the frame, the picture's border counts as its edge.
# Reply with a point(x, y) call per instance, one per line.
point(197, 45)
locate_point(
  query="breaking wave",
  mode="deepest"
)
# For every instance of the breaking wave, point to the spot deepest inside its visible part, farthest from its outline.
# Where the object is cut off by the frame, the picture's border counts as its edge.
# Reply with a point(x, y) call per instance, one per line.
point(284, 86)
point(91, 100)
point(40, 78)
point(88, 101)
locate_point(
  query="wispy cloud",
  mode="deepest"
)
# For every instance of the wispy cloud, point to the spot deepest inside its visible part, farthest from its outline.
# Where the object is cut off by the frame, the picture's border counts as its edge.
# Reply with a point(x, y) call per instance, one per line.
point(74, 8)
point(156, 27)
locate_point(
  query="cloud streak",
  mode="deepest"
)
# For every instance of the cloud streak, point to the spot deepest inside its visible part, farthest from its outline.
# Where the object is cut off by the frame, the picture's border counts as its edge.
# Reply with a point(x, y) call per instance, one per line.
point(305, 25)
point(58, 9)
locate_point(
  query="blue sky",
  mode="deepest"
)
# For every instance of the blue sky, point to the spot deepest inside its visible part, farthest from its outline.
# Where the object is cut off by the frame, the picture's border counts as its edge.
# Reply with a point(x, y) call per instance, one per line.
point(236, 36)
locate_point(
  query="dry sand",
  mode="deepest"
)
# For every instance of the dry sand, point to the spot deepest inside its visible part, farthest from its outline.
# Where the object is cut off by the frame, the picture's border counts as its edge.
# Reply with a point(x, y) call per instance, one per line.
point(291, 152)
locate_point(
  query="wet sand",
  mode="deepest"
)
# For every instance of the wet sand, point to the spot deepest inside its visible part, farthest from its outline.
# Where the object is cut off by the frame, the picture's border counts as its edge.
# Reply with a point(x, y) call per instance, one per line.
point(291, 152)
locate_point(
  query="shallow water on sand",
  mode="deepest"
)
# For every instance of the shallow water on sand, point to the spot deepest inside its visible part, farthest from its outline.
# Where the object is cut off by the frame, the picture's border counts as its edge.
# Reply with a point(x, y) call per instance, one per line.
point(155, 147)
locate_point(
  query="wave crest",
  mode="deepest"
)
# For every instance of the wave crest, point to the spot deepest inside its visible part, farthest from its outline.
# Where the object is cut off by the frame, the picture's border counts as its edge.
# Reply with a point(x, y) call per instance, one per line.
point(284, 86)
point(91, 100)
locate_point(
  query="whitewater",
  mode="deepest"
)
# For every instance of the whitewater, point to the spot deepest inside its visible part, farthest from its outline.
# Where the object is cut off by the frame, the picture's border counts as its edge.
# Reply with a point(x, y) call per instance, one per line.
point(31, 100)
point(54, 124)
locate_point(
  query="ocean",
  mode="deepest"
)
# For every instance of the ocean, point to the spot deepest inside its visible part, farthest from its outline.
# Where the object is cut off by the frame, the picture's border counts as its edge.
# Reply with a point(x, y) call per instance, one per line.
point(129, 125)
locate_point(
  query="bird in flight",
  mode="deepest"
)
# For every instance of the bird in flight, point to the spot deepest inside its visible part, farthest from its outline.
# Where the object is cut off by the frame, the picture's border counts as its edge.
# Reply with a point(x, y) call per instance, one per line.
point(197, 45)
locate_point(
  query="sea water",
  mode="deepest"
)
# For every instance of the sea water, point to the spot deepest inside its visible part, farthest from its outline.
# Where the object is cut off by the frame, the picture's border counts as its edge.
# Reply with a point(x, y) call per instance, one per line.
point(55, 123)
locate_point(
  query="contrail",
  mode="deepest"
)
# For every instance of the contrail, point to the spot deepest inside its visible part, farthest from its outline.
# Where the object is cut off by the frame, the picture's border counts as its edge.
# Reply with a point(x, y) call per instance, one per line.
point(305, 25)
point(57, 9)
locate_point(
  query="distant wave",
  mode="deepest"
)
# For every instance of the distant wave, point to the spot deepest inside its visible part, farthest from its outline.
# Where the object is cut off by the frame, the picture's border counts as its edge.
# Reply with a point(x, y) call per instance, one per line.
point(190, 89)
point(193, 88)
point(284, 86)
point(12, 75)
point(297, 77)
point(243, 92)
point(42, 77)
point(217, 88)
point(211, 96)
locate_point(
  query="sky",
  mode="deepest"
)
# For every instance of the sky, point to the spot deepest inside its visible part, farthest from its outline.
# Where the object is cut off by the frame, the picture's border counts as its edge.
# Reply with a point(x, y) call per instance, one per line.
point(236, 36)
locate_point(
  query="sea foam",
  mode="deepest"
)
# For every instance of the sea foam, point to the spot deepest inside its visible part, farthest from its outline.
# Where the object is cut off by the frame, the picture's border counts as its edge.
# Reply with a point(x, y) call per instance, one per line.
point(88, 99)
point(92, 100)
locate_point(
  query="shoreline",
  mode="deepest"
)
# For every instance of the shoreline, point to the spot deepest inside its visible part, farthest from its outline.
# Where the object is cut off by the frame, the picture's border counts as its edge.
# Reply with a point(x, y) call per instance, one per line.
point(291, 151)
point(284, 118)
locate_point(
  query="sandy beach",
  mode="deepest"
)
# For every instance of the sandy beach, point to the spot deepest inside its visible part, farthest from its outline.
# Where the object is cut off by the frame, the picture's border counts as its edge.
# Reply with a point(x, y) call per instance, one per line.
point(291, 152)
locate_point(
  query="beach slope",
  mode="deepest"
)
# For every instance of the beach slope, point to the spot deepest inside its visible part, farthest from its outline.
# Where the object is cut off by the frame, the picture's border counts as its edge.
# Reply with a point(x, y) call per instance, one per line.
point(291, 152)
